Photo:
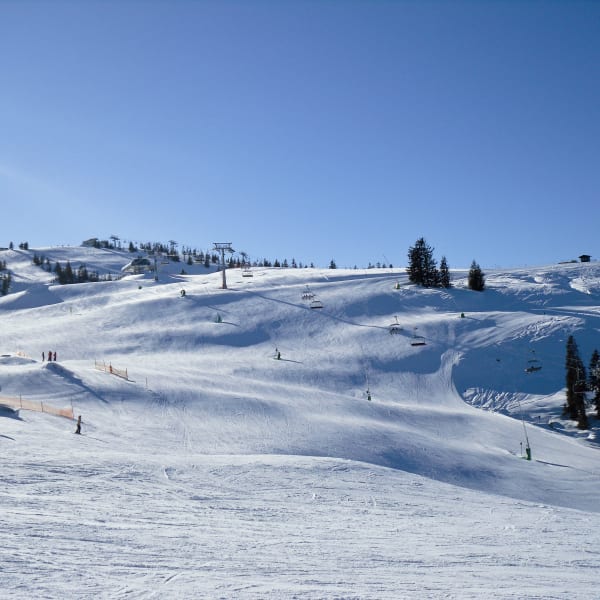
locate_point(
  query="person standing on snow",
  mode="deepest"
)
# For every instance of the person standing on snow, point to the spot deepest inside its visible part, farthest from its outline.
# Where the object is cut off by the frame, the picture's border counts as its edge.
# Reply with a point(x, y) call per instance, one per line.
point(78, 428)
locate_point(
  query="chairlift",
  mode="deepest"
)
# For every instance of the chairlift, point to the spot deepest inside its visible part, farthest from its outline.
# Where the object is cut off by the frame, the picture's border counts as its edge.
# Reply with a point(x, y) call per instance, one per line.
point(533, 364)
point(417, 340)
point(395, 327)
point(247, 271)
point(307, 294)
point(316, 304)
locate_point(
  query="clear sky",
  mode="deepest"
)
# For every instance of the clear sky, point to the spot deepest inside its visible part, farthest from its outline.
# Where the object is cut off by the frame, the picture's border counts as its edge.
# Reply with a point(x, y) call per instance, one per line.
point(305, 129)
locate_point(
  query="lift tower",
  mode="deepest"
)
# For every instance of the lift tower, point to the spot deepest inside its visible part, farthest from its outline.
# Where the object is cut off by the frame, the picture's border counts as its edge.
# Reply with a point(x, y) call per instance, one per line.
point(222, 247)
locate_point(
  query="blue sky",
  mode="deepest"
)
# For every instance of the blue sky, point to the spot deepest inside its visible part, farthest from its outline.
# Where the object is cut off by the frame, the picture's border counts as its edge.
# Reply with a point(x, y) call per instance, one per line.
point(306, 130)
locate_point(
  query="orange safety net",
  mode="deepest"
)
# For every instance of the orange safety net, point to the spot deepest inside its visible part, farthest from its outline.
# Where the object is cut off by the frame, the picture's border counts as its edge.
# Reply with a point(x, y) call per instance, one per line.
point(108, 368)
point(37, 406)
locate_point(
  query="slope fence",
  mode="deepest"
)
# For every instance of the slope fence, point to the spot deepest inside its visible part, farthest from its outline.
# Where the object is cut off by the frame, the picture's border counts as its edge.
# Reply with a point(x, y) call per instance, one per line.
point(108, 368)
point(37, 406)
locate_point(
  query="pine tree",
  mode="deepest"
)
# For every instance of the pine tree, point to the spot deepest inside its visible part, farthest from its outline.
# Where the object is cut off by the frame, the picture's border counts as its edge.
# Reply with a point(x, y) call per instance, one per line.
point(576, 385)
point(82, 274)
point(476, 278)
point(594, 379)
point(6, 281)
point(68, 273)
point(58, 270)
point(422, 268)
point(332, 264)
point(444, 274)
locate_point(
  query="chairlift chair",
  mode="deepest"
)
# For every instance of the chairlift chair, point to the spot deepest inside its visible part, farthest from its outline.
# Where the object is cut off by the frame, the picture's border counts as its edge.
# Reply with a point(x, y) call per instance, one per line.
point(534, 364)
point(307, 294)
point(246, 271)
point(395, 327)
point(417, 340)
point(316, 304)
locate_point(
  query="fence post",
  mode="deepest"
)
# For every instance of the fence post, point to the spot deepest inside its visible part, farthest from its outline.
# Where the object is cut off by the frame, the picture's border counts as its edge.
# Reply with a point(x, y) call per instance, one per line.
point(42, 405)
point(21, 400)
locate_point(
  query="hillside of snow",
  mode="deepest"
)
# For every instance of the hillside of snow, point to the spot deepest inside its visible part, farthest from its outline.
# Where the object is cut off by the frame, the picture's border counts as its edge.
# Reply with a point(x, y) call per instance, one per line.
point(217, 470)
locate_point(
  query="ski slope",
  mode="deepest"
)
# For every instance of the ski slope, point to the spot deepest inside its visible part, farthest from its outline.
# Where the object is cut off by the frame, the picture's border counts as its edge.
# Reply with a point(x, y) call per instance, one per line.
point(217, 471)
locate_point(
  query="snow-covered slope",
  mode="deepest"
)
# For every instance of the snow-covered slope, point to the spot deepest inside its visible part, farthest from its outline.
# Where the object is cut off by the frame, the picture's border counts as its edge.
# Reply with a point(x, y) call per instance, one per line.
point(218, 471)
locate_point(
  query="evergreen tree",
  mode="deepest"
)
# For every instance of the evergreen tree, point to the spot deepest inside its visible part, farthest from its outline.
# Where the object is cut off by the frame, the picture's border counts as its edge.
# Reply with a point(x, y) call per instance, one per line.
point(332, 264)
point(6, 281)
point(575, 380)
point(58, 271)
point(594, 379)
point(444, 274)
point(422, 268)
point(594, 372)
point(82, 274)
point(68, 274)
point(476, 278)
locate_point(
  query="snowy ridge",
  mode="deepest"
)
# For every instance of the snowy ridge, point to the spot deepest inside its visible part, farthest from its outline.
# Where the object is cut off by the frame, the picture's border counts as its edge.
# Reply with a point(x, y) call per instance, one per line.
point(220, 471)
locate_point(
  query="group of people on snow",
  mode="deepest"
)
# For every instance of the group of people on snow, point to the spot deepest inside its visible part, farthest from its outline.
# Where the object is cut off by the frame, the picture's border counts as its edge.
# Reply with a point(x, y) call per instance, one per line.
point(51, 356)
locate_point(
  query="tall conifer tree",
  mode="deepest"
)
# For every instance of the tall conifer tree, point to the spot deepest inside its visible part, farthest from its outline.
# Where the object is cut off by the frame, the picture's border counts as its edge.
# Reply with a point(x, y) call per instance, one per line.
point(444, 274)
point(422, 268)
point(476, 278)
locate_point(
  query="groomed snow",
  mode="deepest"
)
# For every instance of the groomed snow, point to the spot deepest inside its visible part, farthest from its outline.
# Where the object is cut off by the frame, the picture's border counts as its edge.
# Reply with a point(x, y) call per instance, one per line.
point(218, 471)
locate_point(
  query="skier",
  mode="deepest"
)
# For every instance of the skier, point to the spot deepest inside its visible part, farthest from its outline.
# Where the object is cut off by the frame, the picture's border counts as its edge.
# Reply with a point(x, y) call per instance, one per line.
point(54, 359)
point(78, 428)
point(50, 356)
point(43, 357)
